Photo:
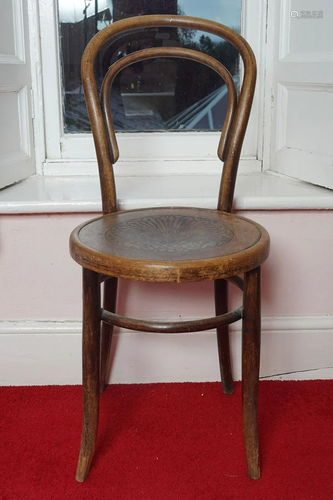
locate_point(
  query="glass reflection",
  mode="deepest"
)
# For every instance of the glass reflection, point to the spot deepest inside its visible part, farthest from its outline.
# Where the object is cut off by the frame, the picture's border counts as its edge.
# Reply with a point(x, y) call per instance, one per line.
point(160, 94)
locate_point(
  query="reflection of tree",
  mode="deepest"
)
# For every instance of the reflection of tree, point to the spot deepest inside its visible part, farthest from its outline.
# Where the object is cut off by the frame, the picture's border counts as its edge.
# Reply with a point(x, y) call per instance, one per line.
point(195, 81)
point(223, 51)
point(185, 81)
point(185, 35)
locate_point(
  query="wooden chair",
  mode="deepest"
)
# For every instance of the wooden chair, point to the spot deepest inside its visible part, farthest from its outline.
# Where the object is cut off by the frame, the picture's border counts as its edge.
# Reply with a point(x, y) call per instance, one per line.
point(169, 244)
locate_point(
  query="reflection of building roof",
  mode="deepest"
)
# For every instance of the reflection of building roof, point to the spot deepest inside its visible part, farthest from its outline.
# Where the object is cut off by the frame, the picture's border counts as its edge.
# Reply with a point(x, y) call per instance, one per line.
point(208, 113)
point(140, 115)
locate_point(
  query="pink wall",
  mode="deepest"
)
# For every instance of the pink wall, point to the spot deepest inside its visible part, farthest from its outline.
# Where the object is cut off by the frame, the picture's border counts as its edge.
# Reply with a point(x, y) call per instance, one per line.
point(40, 281)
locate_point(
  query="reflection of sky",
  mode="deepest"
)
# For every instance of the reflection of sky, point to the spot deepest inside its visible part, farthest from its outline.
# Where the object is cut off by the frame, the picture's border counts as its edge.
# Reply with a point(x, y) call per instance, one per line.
point(223, 11)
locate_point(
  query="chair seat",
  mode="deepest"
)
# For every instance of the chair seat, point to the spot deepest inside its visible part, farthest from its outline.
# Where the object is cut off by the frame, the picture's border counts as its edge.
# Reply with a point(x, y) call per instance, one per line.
point(170, 244)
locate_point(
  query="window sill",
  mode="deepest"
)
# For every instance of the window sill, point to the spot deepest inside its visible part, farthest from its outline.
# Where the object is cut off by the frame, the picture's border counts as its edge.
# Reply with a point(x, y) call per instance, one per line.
point(256, 191)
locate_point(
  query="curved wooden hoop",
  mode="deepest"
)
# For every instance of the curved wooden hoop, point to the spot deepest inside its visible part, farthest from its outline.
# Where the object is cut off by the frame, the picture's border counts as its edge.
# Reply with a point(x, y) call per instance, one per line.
point(172, 326)
point(176, 52)
point(239, 122)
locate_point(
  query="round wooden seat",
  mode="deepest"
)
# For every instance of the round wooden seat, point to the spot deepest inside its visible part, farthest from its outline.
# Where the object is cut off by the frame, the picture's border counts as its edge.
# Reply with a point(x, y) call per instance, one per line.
point(170, 244)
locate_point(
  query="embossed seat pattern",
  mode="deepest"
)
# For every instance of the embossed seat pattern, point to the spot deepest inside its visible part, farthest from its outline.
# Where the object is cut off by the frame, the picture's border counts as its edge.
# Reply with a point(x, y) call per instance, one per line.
point(170, 233)
point(155, 240)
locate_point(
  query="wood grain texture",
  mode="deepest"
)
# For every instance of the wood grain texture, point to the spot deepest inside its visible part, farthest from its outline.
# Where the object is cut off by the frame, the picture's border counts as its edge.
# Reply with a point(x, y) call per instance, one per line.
point(109, 304)
point(169, 244)
point(198, 325)
point(90, 370)
point(174, 52)
point(223, 345)
point(251, 333)
point(105, 142)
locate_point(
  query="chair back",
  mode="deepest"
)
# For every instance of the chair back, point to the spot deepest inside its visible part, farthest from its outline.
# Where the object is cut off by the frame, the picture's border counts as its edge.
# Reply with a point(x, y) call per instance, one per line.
point(100, 113)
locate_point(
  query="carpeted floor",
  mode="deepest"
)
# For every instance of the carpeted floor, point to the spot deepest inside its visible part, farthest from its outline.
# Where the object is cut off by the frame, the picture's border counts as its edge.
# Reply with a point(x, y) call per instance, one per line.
point(167, 442)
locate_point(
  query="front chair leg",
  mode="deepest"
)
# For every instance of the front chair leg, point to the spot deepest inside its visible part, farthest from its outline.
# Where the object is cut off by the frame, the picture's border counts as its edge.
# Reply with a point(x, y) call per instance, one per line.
point(90, 370)
point(109, 304)
point(250, 369)
point(221, 307)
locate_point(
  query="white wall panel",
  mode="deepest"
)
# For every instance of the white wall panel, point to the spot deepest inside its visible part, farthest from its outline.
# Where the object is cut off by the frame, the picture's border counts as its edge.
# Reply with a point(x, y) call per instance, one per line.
point(16, 139)
point(10, 122)
point(7, 39)
point(293, 348)
point(302, 102)
point(40, 282)
point(304, 118)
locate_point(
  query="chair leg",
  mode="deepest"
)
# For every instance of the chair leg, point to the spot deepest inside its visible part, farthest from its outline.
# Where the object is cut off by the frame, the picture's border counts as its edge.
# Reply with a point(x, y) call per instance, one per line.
point(90, 370)
point(250, 369)
point(109, 304)
point(221, 307)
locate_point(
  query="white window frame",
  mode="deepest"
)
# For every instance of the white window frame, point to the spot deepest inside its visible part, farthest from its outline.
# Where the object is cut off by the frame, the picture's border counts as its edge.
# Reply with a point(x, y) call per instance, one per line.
point(73, 154)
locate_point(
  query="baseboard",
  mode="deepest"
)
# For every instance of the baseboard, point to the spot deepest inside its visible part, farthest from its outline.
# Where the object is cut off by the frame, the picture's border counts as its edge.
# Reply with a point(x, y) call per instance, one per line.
point(43, 353)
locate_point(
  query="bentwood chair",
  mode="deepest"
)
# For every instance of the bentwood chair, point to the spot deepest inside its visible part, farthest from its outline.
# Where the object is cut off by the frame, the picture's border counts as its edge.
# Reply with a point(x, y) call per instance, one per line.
point(169, 245)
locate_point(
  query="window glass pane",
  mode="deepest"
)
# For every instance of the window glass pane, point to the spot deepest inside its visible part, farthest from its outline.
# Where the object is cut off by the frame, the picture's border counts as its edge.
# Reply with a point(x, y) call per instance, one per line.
point(159, 94)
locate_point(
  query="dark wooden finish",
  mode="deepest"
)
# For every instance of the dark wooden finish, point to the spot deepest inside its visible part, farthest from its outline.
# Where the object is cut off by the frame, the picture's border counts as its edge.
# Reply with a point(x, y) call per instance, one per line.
point(250, 369)
point(102, 139)
point(199, 325)
point(237, 281)
point(90, 370)
point(221, 307)
point(175, 52)
point(169, 244)
point(109, 304)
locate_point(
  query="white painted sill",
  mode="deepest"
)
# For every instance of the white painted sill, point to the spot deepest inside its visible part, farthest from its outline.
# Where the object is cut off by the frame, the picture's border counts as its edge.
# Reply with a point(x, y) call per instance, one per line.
point(255, 191)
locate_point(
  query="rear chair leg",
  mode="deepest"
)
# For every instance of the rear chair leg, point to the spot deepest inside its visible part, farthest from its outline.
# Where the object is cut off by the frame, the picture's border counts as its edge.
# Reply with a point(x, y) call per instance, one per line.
point(221, 307)
point(250, 369)
point(90, 370)
point(109, 304)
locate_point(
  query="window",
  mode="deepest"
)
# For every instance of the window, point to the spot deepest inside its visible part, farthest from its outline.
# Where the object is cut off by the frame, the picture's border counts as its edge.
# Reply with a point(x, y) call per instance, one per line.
point(159, 94)
point(290, 128)
point(69, 147)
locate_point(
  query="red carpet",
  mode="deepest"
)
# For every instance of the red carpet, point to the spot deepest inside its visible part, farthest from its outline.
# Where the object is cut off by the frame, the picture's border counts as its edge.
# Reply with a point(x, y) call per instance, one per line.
point(167, 442)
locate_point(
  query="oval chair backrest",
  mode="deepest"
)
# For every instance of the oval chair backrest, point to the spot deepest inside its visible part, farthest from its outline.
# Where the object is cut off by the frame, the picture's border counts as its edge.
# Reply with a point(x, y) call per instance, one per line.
point(100, 114)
